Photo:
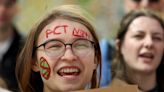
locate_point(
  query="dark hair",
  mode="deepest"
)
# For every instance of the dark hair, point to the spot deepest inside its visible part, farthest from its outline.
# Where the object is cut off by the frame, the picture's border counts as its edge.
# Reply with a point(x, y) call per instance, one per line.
point(118, 65)
point(30, 81)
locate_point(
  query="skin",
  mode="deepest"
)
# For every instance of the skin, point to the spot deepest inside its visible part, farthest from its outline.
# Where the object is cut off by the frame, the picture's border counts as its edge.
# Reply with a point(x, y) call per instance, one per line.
point(142, 51)
point(132, 5)
point(7, 14)
point(143, 37)
point(86, 64)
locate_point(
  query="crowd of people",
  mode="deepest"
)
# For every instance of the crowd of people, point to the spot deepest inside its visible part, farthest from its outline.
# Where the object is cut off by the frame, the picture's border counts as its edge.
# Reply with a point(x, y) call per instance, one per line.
point(62, 51)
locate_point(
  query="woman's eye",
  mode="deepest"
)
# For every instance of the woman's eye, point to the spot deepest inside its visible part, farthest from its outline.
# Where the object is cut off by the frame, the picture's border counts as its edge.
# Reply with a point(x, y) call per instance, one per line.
point(54, 46)
point(80, 46)
point(138, 36)
point(137, 1)
point(157, 38)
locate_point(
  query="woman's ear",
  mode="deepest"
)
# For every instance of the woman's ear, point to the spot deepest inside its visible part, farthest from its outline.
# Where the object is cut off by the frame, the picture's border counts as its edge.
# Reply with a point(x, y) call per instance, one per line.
point(117, 44)
point(35, 65)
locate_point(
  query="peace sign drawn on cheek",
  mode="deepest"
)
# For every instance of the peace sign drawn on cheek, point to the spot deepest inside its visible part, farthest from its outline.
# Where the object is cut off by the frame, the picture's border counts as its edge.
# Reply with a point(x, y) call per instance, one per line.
point(45, 68)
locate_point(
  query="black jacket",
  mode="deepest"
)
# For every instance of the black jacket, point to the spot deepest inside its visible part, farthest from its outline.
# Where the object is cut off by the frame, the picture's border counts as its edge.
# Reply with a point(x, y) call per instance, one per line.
point(8, 62)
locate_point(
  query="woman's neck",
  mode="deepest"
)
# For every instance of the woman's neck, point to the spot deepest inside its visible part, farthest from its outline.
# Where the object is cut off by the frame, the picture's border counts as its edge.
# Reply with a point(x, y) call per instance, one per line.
point(145, 81)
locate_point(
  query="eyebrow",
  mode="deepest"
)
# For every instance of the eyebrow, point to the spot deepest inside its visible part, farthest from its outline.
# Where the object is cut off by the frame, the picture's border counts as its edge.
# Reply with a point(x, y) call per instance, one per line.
point(154, 33)
point(58, 39)
point(54, 39)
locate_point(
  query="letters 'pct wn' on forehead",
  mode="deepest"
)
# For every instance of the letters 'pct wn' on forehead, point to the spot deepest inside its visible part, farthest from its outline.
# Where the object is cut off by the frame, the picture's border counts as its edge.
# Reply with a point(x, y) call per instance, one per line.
point(62, 29)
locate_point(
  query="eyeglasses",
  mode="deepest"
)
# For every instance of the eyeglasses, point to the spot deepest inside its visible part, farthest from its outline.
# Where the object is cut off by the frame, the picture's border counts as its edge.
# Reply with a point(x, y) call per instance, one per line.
point(150, 1)
point(56, 48)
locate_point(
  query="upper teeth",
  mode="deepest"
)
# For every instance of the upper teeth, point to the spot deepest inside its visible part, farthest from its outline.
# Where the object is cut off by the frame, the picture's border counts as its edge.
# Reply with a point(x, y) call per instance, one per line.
point(69, 70)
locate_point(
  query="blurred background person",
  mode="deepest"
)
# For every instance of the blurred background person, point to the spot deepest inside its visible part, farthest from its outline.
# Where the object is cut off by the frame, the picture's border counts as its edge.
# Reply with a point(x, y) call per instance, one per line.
point(107, 46)
point(140, 52)
point(10, 41)
point(107, 50)
point(155, 5)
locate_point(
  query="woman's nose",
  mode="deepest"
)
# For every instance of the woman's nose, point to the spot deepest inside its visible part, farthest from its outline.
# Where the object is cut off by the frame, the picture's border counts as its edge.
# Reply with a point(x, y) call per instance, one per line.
point(148, 42)
point(69, 55)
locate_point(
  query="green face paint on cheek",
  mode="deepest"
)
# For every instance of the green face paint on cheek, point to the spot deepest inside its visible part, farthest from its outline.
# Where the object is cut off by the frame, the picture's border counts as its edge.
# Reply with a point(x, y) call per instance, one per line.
point(45, 68)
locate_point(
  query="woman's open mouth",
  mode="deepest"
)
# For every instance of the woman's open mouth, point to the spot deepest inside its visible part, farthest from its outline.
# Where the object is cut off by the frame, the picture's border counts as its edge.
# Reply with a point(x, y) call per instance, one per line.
point(69, 71)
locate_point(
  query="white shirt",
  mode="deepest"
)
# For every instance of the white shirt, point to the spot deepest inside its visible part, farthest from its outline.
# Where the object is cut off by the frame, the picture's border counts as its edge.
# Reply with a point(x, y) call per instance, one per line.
point(4, 90)
point(4, 46)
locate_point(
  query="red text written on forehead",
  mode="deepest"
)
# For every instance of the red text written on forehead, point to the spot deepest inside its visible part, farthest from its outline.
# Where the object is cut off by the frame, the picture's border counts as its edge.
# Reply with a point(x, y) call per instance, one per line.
point(62, 29)
point(79, 33)
point(55, 31)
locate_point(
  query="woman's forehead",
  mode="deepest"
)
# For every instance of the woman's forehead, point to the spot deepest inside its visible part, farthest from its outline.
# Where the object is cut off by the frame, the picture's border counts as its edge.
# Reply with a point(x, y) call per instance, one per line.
point(64, 28)
point(145, 21)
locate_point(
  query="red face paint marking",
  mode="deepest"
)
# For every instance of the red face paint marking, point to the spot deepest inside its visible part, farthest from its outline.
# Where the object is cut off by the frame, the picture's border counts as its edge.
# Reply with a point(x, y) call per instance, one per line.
point(79, 33)
point(55, 31)
point(45, 68)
